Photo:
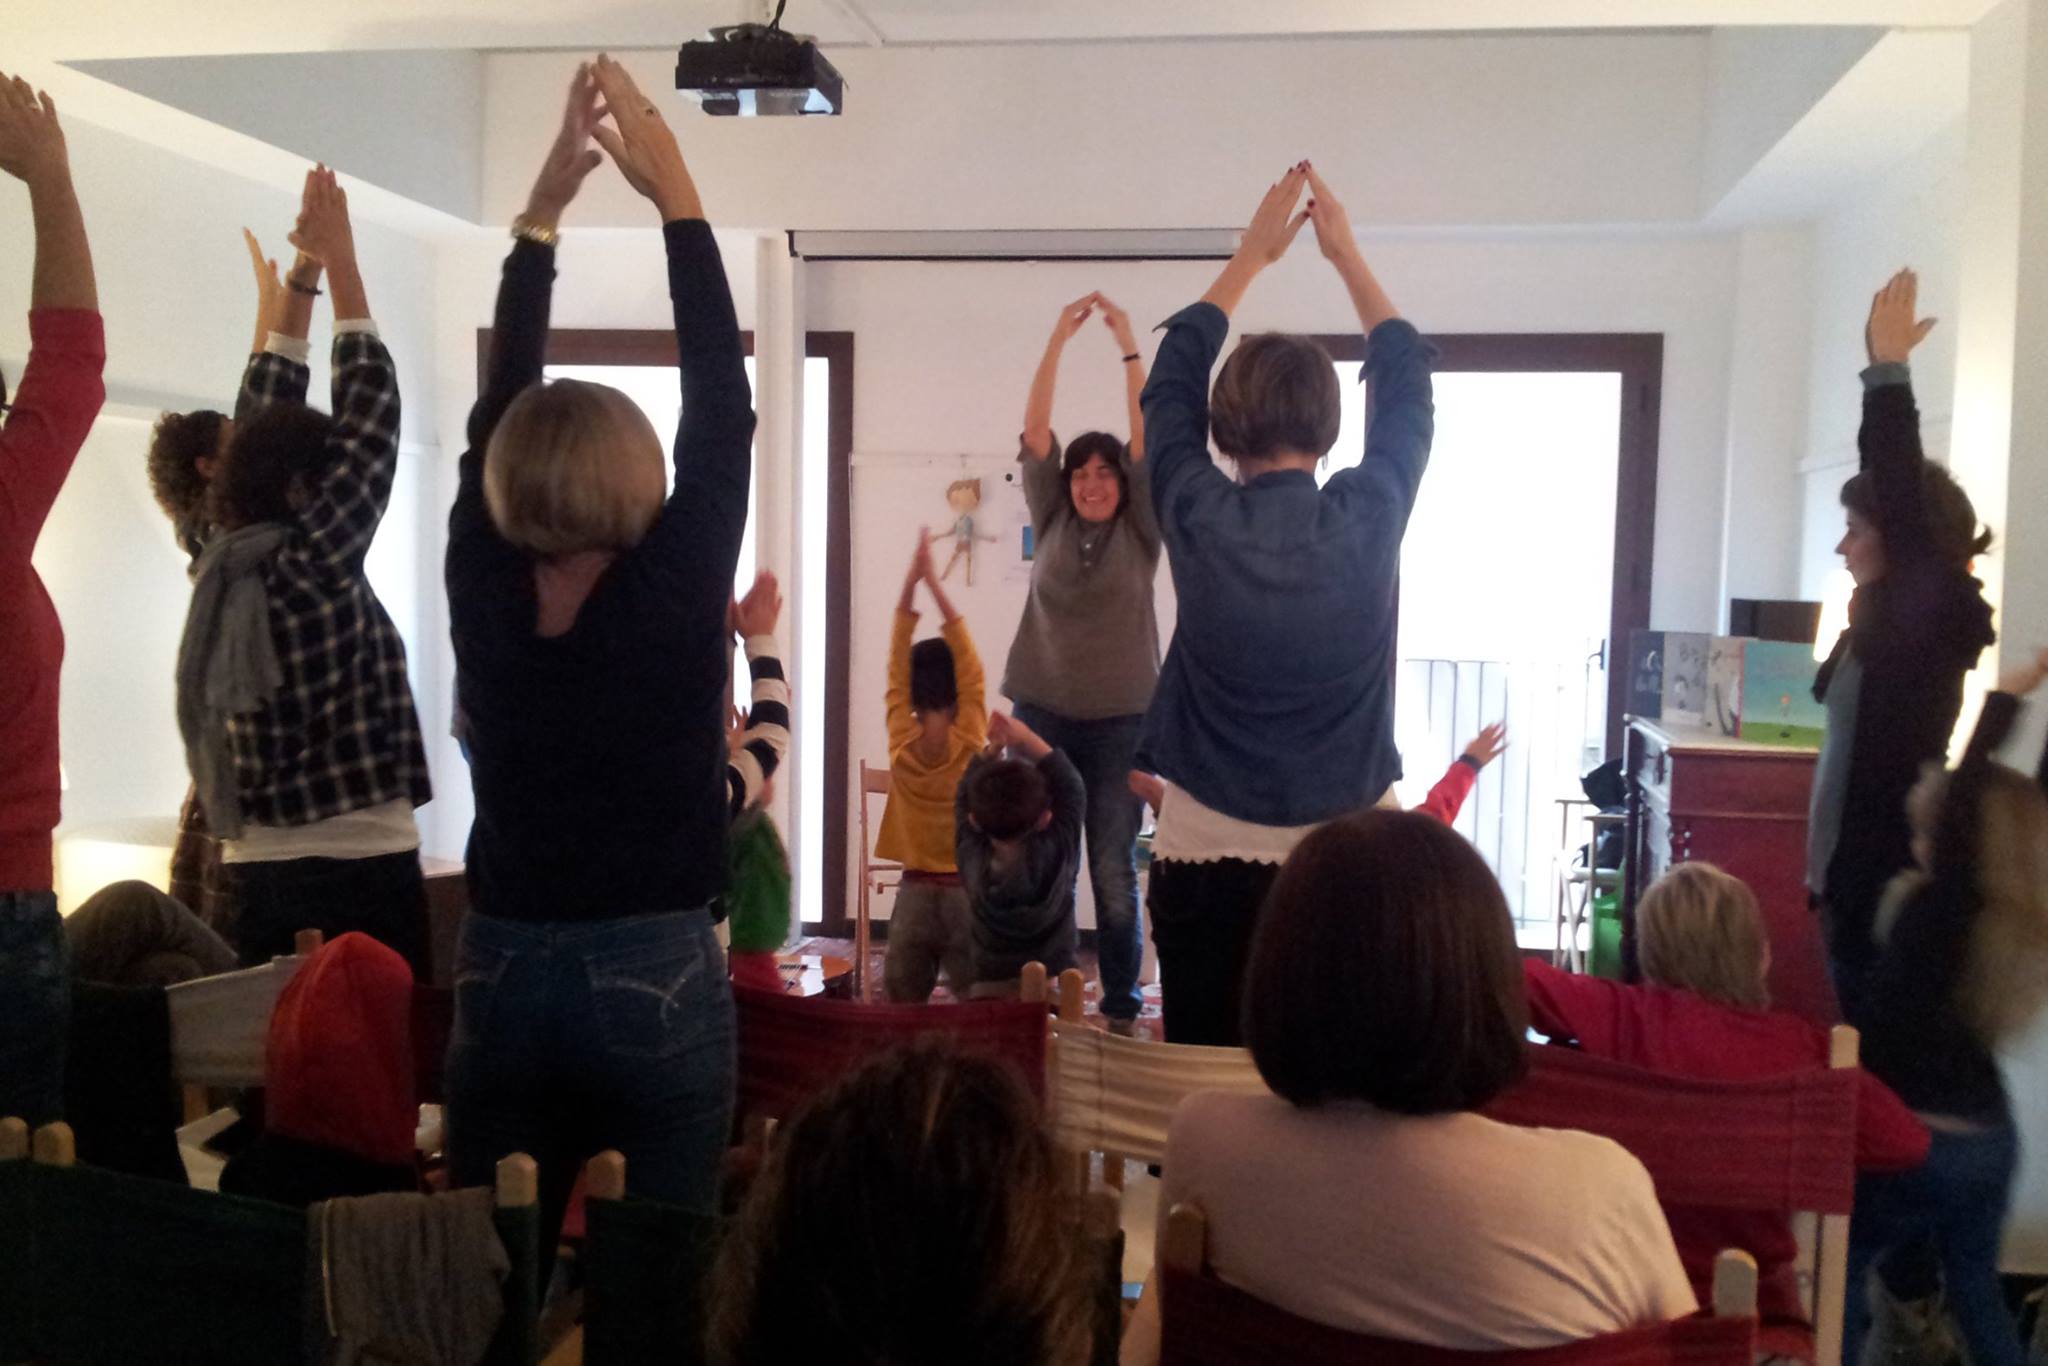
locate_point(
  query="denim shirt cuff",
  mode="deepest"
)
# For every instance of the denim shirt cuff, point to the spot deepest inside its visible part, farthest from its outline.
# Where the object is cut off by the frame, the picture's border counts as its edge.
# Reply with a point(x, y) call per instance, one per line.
point(1887, 372)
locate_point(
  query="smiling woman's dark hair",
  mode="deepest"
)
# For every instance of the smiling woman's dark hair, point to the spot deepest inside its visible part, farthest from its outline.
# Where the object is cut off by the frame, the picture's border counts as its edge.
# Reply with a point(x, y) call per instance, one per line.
point(1384, 969)
point(1088, 446)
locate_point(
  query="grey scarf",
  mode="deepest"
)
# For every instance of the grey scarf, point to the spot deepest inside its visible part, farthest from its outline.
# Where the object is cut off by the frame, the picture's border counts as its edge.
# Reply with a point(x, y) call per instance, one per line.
point(226, 662)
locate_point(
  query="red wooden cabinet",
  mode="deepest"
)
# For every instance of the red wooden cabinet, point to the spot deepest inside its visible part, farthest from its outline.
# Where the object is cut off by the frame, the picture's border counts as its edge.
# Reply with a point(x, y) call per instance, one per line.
point(1741, 806)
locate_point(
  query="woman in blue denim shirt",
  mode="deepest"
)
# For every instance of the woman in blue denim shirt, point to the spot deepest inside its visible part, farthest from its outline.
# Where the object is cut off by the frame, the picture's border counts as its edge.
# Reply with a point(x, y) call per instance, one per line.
point(1275, 705)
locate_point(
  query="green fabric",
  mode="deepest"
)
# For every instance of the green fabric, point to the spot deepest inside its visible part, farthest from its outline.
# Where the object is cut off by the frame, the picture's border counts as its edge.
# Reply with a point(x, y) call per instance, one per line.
point(114, 1269)
point(757, 898)
point(101, 1267)
point(645, 1264)
point(1607, 935)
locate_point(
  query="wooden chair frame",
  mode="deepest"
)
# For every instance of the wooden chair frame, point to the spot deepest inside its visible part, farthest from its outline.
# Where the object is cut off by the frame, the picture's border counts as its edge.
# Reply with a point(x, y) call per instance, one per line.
point(876, 877)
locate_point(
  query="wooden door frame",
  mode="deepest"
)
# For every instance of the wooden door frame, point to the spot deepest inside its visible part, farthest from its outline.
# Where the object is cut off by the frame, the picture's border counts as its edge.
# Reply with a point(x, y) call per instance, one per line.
point(1639, 358)
point(657, 347)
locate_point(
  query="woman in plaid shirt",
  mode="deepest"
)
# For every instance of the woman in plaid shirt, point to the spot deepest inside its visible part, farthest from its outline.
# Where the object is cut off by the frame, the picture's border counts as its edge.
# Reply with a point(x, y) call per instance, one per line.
point(293, 699)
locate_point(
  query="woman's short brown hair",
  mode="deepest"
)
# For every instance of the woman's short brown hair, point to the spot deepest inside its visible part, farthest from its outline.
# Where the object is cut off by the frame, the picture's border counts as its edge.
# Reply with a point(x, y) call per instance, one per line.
point(177, 444)
point(1384, 969)
point(1701, 929)
point(914, 1215)
point(1276, 393)
point(573, 466)
point(1952, 524)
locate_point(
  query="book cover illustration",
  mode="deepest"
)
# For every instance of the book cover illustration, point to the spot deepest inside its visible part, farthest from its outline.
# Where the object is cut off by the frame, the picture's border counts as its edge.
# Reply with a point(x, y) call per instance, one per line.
point(1645, 674)
point(1778, 705)
point(1724, 686)
point(1685, 681)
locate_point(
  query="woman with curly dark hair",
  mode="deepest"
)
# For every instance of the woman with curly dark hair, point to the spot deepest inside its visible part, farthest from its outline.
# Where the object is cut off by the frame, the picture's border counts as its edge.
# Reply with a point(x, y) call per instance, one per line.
point(184, 450)
point(917, 1215)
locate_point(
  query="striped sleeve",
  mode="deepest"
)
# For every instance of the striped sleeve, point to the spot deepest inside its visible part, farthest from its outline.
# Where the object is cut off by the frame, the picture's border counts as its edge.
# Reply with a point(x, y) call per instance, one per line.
point(766, 739)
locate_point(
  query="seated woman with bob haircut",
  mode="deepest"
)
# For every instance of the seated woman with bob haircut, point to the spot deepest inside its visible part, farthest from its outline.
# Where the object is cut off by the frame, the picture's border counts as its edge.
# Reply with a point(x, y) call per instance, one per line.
point(1383, 1008)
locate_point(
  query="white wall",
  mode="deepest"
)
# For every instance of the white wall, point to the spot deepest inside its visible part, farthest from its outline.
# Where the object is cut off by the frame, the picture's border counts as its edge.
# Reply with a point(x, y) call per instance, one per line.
point(1760, 83)
point(1419, 130)
point(1910, 217)
point(1767, 398)
point(178, 298)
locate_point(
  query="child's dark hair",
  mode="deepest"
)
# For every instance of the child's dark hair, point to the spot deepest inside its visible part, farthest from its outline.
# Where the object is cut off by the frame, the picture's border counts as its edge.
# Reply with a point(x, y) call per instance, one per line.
point(914, 1214)
point(932, 686)
point(1007, 798)
point(1951, 518)
point(176, 446)
point(275, 457)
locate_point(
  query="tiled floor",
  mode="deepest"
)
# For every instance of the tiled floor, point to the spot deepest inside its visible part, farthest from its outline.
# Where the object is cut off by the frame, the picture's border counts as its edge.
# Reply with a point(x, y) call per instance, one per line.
point(1149, 1024)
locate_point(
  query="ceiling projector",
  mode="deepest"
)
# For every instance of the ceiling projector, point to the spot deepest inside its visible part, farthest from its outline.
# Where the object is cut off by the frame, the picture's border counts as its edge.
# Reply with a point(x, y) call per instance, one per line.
point(751, 69)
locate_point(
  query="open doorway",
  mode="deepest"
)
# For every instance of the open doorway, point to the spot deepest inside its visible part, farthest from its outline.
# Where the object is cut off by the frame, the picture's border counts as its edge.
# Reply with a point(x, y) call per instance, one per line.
point(1526, 562)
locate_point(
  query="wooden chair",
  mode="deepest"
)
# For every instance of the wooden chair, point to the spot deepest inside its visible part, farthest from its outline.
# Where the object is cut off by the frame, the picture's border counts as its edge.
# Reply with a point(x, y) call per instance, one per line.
point(876, 877)
point(1116, 1096)
point(644, 1267)
point(1783, 1145)
point(113, 1269)
point(792, 1047)
point(1207, 1323)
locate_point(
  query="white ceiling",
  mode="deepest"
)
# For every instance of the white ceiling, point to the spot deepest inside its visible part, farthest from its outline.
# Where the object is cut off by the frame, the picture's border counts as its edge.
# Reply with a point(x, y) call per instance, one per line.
point(64, 30)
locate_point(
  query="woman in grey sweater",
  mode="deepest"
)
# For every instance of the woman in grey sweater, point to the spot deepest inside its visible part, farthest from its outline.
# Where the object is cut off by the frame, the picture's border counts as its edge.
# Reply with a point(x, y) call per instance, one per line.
point(1086, 655)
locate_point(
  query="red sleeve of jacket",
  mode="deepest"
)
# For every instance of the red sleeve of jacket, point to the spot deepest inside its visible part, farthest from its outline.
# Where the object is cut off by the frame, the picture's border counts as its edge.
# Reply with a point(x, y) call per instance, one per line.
point(1889, 1137)
point(1572, 1006)
point(54, 406)
point(1447, 798)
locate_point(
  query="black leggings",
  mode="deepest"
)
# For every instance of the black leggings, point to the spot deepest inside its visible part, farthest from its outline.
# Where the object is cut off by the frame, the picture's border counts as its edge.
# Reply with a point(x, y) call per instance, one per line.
point(1203, 915)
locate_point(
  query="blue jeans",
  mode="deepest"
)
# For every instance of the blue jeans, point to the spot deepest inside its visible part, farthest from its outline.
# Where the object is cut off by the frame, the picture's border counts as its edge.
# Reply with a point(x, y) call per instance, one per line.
point(1104, 751)
point(572, 1037)
point(1957, 1199)
point(35, 1007)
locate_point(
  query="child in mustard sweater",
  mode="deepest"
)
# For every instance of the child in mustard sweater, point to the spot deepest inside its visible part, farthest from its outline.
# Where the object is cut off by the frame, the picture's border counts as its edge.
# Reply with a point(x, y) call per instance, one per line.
point(938, 722)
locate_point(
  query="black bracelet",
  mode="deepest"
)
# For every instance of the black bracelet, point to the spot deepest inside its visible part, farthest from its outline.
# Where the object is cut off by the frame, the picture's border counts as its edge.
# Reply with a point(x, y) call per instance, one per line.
point(295, 287)
point(1133, 356)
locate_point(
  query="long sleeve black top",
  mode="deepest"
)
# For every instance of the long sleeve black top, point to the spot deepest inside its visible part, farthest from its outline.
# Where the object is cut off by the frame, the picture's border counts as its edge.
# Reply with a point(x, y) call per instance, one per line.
point(598, 756)
point(1915, 633)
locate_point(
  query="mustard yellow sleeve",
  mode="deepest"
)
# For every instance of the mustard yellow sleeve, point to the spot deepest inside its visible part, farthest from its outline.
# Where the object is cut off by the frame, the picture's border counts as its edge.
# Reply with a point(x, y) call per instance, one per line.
point(970, 726)
point(902, 725)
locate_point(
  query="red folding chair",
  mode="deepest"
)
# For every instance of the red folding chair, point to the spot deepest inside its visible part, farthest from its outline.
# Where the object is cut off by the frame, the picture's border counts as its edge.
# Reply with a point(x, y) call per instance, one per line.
point(1207, 1323)
point(1785, 1145)
point(791, 1048)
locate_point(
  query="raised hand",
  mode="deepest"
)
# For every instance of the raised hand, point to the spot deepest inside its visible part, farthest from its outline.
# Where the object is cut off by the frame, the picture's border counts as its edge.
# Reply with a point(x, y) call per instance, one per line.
point(757, 612)
point(1333, 225)
point(1275, 224)
point(1895, 328)
point(31, 140)
point(323, 231)
point(1488, 745)
point(1073, 315)
point(921, 558)
point(570, 157)
point(1119, 324)
point(999, 724)
point(642, 145)
point(270, 291)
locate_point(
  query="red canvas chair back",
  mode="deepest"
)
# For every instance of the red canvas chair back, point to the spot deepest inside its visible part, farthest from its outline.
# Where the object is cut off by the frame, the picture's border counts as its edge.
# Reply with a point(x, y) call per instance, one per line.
point(1785, 1144)
point(791, 1048)
point(1207, 1323)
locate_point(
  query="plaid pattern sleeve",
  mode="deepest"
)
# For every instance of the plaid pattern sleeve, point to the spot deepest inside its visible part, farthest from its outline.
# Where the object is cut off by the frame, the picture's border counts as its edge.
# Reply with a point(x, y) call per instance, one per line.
point(341, 733)
point(271, 377)
point(362, 454)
